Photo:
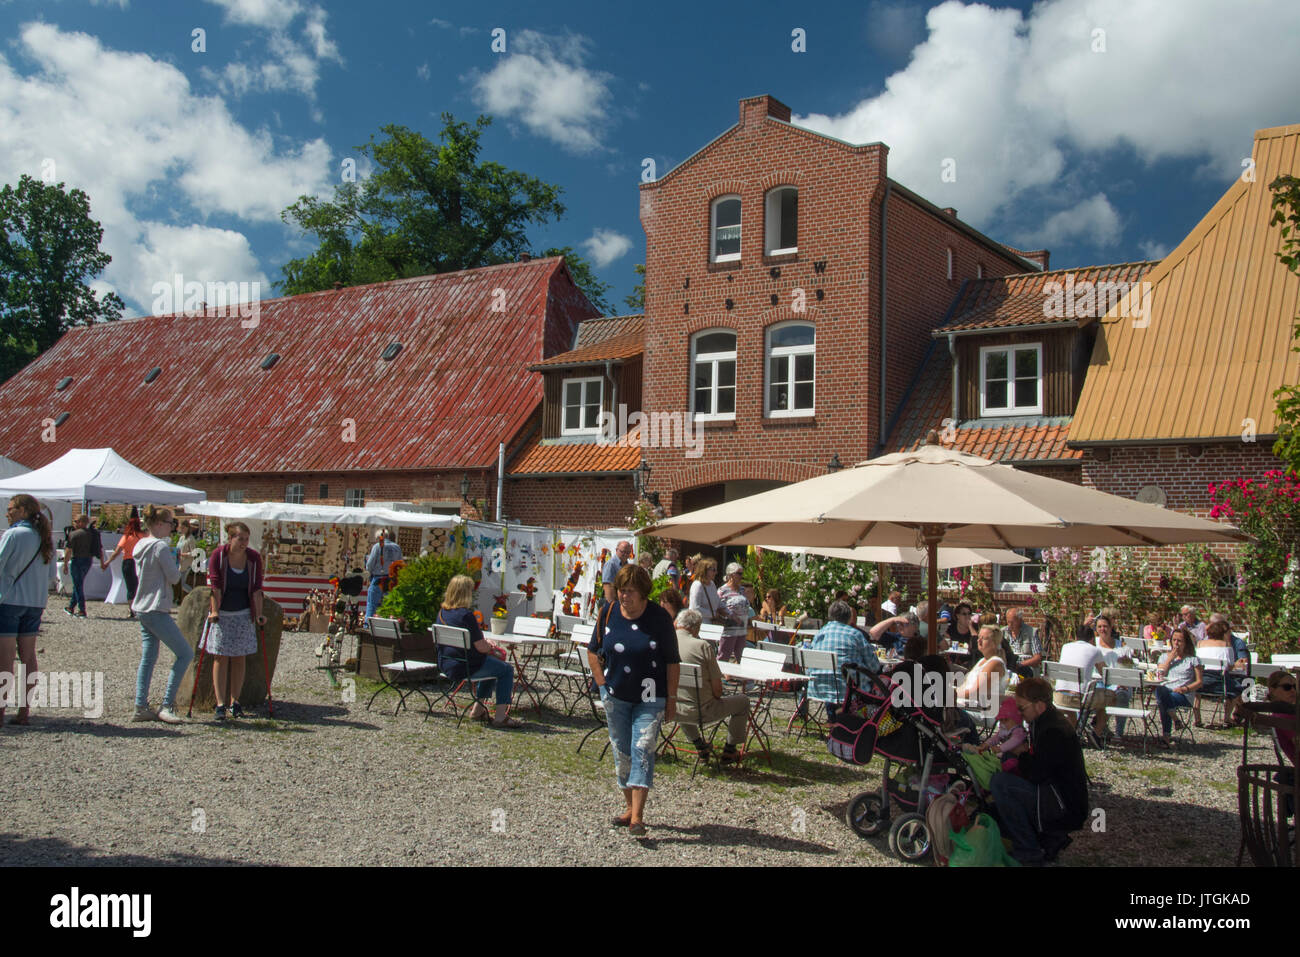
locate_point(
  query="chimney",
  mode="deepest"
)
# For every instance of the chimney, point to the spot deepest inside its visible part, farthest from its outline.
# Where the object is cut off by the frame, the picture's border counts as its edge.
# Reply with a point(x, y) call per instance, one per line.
point(337, 286)
point(950, 211)
point(754, 109)
point(525, 257)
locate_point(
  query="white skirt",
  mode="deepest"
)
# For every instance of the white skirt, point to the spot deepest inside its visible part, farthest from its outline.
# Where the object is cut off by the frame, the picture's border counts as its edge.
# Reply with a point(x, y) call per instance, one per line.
point(233, 633)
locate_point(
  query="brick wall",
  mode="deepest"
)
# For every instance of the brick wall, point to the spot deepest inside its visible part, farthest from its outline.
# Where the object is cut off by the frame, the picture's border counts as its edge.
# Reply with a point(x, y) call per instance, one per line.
point(570, 502)
point(835, 270)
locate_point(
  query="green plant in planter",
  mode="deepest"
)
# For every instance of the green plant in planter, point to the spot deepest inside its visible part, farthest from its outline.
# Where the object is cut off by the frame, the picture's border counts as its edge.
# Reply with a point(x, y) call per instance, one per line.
point(659, 586)
point(417, 596)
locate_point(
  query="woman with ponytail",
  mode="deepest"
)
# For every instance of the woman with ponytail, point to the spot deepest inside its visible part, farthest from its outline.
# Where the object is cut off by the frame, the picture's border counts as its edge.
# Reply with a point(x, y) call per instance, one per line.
point(153, 606)
point(26, 551)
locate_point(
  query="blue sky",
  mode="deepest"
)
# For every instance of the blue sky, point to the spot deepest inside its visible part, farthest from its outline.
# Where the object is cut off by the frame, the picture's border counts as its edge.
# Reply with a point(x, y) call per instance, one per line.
point(1102, 146)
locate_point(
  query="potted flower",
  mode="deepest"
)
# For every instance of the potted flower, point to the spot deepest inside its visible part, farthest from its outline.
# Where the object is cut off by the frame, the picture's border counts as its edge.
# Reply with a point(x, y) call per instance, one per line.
point(499, 615)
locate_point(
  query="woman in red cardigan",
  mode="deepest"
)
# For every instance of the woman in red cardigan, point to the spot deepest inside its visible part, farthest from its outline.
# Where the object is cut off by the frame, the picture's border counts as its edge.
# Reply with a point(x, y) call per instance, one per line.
point(234, 615)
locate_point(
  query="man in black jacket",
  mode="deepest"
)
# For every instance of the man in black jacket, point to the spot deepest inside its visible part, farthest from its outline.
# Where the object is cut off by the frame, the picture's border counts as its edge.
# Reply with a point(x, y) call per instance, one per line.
point(1049, 798)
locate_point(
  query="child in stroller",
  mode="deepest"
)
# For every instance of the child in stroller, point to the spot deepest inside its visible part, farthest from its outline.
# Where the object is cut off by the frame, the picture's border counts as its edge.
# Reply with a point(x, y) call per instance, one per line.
point(901, 718)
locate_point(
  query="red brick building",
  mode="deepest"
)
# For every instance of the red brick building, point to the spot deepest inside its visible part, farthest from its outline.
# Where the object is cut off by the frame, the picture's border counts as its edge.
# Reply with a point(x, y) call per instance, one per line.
point(791, 287)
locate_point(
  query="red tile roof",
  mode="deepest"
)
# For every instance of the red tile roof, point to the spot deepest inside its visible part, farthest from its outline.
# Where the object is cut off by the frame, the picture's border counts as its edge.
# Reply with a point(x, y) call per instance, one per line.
point(574, 458)
point(1018, 300)
point(929, 404)
point(457, 387)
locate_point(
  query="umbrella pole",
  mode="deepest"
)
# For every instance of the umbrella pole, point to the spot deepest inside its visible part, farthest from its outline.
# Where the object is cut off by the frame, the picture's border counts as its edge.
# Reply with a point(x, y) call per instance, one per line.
point(932, 535)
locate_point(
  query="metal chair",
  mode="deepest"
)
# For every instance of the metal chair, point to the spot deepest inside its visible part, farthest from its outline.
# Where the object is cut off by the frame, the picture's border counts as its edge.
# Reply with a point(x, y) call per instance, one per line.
point(692, 679)
point(807, 661)
point(1131, 678)
point(459, 640)
point(401, 669)
point(571, 671)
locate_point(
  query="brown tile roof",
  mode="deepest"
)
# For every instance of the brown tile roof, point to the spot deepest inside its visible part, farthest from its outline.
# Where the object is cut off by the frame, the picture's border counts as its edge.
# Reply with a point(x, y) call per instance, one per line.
point(1019, 300)
point(929, 403)
point(576, 458)
point(1215, 338)
point(618, 347)
point(457, 388)
point(608, 327)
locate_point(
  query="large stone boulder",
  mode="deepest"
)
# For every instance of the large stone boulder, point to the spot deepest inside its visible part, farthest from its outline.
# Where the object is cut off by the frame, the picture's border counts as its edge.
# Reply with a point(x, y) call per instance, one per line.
point(191, 617)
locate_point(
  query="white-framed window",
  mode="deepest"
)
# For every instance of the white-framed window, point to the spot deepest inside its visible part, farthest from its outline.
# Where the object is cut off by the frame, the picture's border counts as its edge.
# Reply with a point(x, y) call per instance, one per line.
point(713, 374)
point(354, 497)
point(791, 368)
point(580, 400)
point(781, 221)
point(724, 229)
point(1011, 380)
point(235, 495)
point(294, 494)
point(1020, 577)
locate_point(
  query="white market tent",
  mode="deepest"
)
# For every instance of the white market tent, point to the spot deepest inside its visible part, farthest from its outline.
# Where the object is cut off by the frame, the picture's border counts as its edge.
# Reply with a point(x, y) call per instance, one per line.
point(97, 475)
point(320, 514)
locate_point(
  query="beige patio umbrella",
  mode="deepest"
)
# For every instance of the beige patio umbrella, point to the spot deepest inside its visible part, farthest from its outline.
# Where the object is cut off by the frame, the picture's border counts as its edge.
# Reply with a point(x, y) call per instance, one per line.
point(936, 496)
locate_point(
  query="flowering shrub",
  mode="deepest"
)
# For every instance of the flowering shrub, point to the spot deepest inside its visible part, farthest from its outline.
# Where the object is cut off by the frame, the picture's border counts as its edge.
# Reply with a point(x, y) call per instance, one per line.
point(1072, 588)
point(826, 576)
point(1269, 510)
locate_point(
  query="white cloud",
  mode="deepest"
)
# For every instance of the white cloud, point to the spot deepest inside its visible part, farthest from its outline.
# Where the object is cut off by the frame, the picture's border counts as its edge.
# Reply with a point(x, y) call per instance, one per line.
point(605, 245)
point(543, 83)
point(422, 71)
point(109, 3)
point(1154, 250)
point(288, 65)
point(441, 24)
point(1011, 97)
point(1092, 220)
point(127, 129)
point(199, 254)
point(275, 14)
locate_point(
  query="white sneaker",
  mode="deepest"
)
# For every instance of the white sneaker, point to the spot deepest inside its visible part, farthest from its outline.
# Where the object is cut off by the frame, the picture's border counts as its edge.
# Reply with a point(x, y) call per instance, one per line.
point(145, 713)
point(169, 716)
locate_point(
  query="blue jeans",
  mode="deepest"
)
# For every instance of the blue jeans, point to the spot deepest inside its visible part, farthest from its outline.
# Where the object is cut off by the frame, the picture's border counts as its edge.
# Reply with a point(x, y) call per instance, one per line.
point(374, 598)
point(156, 626)
point(1123, 698)
point(1017, 805)
point(504, 676)
point(1166, 701)
point(79, 567)
point(634, 735)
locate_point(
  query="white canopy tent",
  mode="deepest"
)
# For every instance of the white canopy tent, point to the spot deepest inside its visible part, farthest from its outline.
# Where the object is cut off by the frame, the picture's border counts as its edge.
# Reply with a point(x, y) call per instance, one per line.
point(320, 514)
point(97, 475)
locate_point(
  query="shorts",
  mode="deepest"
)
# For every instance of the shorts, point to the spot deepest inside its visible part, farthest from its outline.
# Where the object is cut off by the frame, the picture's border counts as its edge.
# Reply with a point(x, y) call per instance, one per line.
point(18, 620)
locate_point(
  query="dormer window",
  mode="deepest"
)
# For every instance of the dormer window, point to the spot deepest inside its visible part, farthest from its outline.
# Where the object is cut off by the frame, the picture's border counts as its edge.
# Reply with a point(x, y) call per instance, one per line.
point(581, 412)
point(725, 227)
point(1011, 380)
point(782, 221)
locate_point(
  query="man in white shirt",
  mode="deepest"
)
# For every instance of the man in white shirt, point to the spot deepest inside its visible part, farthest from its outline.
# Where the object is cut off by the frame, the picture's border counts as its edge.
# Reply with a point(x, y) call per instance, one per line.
point(891, 606)
point(1091, 662)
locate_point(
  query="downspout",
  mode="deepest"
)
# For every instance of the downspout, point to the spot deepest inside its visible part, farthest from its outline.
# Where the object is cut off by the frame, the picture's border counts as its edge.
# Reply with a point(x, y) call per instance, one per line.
point(501, 477)
point(952, 354)
point(613, 391)
point(884, 274)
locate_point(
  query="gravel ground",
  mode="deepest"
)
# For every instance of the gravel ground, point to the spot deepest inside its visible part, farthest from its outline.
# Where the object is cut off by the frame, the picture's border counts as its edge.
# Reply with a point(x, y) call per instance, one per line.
point(328, 782)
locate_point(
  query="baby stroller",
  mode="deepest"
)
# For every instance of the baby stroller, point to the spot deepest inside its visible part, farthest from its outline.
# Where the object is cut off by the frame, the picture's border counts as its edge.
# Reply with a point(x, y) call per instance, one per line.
point(884, 716)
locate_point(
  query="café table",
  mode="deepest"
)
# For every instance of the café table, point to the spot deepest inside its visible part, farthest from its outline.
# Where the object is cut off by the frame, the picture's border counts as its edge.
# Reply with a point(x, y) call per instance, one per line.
point(763, 676)
point(526, 651)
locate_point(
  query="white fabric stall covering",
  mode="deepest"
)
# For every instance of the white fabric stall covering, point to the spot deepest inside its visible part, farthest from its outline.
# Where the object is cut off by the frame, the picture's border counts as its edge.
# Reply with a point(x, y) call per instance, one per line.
point(97, 475)
point(321, 514)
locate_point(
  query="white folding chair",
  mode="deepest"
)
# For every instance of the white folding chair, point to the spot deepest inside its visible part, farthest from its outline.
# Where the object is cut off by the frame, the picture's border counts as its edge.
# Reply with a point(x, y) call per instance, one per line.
point(1130, 678)
point(779, 647)
point(401, 671)
point(691, 678)
point(1138, 648)
point(1217, 662)
point(572, 671)
point(1286, 661)
point(711, 632)
point(807, 661)
point(458, 639)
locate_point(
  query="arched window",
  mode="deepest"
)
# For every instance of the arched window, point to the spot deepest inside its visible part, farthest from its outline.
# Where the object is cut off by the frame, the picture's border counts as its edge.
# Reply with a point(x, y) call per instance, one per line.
point(791, 369)
point(725, 229)
point(782, 221)
point(713, 374)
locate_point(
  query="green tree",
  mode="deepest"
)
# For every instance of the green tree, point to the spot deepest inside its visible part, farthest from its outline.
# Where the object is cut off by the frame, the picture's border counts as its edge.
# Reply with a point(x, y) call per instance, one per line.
point(1286, 212)
point(49, 252)
point(426, 208)
point(636, 300)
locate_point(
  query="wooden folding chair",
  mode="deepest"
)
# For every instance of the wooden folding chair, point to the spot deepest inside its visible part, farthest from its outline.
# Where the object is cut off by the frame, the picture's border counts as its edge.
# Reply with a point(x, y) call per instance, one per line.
point(691, 678)
point(808, 660)
point(458, 639)
point(571, 671)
